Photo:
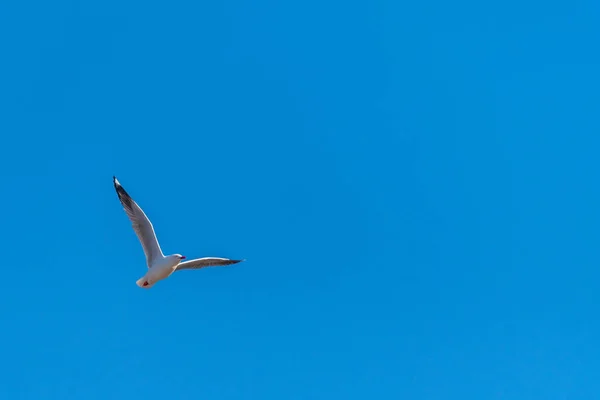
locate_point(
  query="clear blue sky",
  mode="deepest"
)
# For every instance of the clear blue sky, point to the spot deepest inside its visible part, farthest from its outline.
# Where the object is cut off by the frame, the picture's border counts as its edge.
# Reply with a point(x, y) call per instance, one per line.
point(414, 186)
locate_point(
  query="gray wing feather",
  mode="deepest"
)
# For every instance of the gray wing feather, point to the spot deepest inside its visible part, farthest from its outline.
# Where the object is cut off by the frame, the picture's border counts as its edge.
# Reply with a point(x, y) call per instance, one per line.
point(206, 262)
point(141, 224)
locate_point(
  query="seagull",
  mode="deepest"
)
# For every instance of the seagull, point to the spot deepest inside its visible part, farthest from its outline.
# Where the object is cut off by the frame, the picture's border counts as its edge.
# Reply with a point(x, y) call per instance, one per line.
point(159, 265)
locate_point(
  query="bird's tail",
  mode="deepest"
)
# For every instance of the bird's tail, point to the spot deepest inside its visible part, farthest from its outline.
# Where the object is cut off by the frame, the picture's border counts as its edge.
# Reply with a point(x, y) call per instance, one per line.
point(143, 283)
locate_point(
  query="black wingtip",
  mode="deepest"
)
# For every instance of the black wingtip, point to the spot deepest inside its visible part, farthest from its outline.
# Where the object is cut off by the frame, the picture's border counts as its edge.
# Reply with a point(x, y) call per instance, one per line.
point(123, 195)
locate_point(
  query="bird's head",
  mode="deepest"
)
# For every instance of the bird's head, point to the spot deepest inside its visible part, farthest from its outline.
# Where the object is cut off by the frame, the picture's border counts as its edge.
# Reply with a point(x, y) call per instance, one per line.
point(179, 256)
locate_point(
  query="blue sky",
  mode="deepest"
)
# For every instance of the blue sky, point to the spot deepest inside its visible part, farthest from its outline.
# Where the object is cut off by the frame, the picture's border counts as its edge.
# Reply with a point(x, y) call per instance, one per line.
point(414, 186)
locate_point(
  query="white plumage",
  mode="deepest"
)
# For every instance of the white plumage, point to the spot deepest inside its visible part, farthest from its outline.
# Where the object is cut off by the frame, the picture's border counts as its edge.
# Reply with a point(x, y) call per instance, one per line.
point(159, 265)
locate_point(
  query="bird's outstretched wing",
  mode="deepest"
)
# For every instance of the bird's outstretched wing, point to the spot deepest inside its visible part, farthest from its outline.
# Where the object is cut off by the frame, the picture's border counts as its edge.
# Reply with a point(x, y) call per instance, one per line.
point(141, 224)
point(206, 262)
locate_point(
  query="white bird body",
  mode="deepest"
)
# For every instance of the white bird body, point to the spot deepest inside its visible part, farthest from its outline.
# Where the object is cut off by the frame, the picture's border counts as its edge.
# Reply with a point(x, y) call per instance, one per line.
point(160, 269)
point(159, 265)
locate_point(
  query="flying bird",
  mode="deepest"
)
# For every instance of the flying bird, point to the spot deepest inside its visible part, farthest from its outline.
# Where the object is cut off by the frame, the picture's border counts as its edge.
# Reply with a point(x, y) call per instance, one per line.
point(159, 265)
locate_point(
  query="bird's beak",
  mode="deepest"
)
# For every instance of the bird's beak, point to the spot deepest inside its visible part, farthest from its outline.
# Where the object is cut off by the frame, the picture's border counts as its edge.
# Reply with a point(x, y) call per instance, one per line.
point(183, 257)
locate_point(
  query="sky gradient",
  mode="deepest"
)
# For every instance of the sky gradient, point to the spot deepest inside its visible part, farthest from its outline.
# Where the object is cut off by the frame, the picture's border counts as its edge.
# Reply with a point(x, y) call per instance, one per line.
point(414, 186)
